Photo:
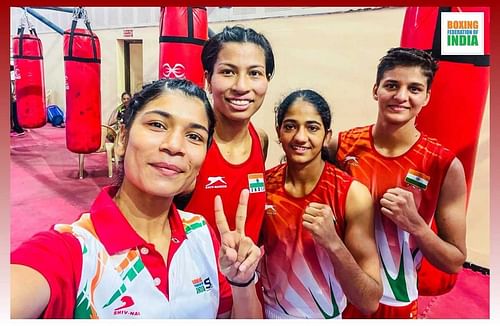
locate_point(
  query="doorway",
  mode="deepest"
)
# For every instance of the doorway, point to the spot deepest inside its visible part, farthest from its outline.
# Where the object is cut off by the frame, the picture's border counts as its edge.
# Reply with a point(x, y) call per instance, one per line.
point(133, 60)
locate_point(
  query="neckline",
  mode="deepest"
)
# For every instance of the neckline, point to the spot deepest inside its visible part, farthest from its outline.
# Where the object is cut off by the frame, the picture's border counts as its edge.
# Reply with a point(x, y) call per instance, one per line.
point(375, 150)
point(283, 180)
point(252, 149)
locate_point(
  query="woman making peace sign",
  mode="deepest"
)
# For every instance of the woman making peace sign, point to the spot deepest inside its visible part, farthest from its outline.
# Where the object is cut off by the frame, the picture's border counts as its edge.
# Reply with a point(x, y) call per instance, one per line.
point(134, 255)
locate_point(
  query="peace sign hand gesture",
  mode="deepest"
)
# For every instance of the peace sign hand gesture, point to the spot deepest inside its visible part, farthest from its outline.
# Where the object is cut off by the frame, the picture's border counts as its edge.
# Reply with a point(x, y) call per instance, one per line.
point(239, 256)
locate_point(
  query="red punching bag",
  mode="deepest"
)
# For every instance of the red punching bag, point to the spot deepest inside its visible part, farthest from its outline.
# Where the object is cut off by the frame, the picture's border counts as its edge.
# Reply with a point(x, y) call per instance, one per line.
point(30, 84)
point(82, 66)
point(183, 31)
point(455, 110)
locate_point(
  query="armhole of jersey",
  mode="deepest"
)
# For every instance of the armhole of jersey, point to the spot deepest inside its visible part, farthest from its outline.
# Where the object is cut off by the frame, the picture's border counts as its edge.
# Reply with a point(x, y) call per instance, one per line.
point(447, 166)
point(255, 134)
point(344, 203)
point(339, 140)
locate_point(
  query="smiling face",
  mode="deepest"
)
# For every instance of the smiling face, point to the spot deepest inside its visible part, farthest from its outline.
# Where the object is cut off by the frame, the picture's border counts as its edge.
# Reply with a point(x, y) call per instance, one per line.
point(125, 98)
point(238, 82)
point(302, 133)
point(166, 145)
point(401, 94)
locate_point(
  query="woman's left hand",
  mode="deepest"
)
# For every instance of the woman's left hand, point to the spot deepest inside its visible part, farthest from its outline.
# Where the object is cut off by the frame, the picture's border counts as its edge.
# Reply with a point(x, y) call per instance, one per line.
point(239, 256)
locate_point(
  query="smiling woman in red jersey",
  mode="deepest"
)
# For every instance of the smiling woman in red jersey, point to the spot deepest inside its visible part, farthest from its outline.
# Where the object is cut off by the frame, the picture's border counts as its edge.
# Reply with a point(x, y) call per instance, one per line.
point(239, 64)
point(318, 230)
point(412, 178)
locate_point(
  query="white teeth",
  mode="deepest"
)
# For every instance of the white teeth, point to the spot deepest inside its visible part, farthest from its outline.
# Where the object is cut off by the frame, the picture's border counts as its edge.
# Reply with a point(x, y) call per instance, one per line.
point(239, 102)
point(299, 148)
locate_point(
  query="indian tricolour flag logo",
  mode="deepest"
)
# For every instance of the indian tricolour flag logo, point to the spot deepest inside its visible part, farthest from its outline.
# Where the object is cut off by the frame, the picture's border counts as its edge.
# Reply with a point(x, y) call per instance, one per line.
point(417, 179)
point(256, 182)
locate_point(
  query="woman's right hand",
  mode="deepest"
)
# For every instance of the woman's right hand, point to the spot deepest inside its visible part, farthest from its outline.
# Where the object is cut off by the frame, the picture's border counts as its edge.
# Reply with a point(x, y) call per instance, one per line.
point(239, 256)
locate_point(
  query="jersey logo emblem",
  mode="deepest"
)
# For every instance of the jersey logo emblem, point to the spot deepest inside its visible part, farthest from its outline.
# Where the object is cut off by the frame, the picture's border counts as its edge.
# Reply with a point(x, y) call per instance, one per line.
point(256, 183)
point(351, 160)
point(216, 182)
point(127, 302)
point(270, 210)
point(202, 285)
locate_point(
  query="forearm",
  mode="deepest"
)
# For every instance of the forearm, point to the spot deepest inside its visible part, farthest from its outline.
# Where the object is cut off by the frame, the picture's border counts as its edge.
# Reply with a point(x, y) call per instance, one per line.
point(246, 304)
point(361, 289)
point(440, 253)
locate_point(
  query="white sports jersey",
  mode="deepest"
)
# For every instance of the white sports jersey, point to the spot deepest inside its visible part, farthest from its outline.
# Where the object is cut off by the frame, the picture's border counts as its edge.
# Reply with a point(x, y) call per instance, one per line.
point(119, 285)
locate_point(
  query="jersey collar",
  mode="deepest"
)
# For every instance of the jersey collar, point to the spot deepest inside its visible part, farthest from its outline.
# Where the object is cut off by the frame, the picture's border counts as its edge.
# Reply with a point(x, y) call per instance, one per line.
point(113, 229)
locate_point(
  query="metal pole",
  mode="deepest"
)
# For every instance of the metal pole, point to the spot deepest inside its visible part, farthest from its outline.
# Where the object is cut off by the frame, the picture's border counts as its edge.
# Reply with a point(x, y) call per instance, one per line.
point(68, 10)
point(44, 20)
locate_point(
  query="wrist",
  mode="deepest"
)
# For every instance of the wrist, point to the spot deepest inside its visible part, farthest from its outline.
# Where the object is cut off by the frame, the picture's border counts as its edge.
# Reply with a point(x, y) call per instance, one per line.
point(252, 280)
point(421, 235)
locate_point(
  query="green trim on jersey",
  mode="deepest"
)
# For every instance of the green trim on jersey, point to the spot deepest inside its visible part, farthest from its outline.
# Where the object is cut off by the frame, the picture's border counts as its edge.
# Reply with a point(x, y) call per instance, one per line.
point(335, 307)
point(82, 309)
point(398, 285)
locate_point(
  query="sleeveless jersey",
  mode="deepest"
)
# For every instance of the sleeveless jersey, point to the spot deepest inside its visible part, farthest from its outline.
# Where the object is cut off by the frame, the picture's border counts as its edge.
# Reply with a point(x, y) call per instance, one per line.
point(219, 177)
point(420, 170)
point(119, 285)
point(297, 274)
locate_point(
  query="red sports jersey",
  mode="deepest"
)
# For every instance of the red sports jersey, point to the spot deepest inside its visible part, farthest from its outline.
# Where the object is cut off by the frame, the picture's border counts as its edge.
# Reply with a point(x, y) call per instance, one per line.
point(420, 170)
point(219, 177)
point(297, 274)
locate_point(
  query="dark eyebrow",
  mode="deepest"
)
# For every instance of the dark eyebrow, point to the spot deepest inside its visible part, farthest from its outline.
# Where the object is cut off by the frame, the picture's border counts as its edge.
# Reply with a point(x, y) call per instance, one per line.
point(235, 67)
point(167, 115)
point(307, 122)
point(397, 82)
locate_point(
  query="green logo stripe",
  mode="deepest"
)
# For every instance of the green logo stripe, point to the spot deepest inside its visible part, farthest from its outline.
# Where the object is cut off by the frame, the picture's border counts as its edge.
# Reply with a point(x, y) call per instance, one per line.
point(130, 275)
point(115, 296)
point(82, 309)
point(398, 285)
point(335, 307)
point(138, 266)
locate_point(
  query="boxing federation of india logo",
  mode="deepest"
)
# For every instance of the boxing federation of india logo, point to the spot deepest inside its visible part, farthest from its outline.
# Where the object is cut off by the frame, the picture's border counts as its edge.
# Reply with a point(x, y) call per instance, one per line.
point(202, 285)
point(462, 33)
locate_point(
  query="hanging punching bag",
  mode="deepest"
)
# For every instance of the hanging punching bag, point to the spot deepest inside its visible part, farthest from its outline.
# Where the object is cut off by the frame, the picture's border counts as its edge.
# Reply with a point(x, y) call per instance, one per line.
point(455, 110)
point(29, 79)
point(183, 31)
point(82, 66)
